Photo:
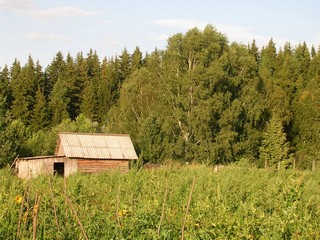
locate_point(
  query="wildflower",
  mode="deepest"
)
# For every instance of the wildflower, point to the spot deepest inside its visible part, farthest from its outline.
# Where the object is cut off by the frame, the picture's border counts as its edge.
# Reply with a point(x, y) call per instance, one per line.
point(25, 217)
point(18, 199)
point(35, 209)
point(122, 213)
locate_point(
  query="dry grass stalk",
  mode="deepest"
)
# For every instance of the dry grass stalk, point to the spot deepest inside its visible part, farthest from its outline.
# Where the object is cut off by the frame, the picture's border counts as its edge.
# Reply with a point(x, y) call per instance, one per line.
point(188, 206)
point(163, 207)
point(54, 205)
point(65, 192)
point(36, 207)
point(117, 206)
point(76, 216)
point(21, 210)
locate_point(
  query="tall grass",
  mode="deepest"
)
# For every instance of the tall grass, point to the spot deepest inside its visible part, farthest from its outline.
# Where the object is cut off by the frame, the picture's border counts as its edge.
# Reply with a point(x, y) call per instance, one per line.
point(236, 203)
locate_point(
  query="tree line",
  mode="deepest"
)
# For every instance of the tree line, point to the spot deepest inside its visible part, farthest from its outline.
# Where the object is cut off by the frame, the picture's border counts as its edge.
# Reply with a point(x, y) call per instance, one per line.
point(201, 99)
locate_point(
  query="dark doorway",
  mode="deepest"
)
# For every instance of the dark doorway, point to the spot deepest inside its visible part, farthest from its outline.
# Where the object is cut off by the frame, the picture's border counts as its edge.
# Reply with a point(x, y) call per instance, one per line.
point(58, 168)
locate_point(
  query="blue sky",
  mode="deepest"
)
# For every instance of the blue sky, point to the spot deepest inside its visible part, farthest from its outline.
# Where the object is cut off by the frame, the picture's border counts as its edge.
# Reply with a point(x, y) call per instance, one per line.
point(42, 28)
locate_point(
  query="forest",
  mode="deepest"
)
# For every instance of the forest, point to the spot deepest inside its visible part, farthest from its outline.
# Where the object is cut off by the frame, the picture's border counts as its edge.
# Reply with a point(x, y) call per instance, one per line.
point(202, 99)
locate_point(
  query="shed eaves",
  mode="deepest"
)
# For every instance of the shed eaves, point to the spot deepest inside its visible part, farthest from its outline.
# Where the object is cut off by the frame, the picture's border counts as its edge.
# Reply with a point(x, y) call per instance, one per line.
point(96, 146)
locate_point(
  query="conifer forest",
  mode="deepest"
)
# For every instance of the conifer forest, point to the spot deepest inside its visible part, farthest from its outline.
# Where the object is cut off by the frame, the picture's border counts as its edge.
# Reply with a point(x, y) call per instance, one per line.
point(202, 99)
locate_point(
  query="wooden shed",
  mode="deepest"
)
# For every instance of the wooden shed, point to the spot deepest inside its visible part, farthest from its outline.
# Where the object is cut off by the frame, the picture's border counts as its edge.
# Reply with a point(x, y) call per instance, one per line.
point(81, 152)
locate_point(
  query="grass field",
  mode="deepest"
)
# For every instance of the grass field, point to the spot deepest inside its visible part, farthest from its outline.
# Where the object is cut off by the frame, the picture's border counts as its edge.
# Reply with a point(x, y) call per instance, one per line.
point(191, 202)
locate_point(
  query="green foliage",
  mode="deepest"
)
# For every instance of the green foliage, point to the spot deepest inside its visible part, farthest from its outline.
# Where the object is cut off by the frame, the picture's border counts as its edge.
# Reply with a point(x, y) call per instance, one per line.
point(212, 99)
point(88, 104)
point(136, 59)
point(40, 119)
point(274, 146)
point(12, 142)
point(151, 139)
point(24, 87)
point(58, 102)
point(4, 82)
point(306, 123)
point(236, 203)
point(53, 72)
point(125, 65)
point(43, 142)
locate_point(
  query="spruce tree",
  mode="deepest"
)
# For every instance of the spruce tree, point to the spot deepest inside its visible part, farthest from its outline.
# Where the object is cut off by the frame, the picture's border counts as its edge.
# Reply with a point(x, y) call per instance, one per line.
point(89, 93)
point(53, 72)
point(24, 88)
point(136, 59)
point(107, 89)
point(125, 64)
point(274, 147)
point(254, 51)
point(89, 101)
point(268, 61)
point(40, 115)
point(76, 78)
point(302, 55)
point(58, 102)
point(4, 82)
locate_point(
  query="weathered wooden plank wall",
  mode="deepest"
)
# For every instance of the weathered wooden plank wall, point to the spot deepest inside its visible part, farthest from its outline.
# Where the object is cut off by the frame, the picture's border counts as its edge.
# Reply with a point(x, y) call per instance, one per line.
point(30, 167)
point(96, 166)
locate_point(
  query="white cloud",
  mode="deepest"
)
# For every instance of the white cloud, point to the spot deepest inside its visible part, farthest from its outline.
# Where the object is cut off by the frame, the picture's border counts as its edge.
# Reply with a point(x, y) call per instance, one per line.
point(180, 23)
point(106, 21)
point(48, 37)
point(29, 8)
point(240, 34)
point(246, 35)
point(112, 42)
point(234, 33)
point(65, 11)
point(160, 37)
point(17, 4)
point(316, 41)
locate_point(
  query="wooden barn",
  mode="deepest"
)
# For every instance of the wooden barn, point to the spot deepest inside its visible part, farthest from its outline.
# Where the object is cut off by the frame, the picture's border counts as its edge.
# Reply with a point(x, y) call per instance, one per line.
point(81, 152)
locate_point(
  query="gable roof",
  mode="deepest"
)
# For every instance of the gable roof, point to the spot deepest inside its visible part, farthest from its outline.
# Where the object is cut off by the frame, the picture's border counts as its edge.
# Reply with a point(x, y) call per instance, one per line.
point(95, 146)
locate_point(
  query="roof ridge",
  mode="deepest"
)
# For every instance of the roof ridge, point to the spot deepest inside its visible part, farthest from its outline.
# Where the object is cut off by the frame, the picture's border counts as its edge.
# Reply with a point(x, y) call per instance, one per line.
point(96, 134)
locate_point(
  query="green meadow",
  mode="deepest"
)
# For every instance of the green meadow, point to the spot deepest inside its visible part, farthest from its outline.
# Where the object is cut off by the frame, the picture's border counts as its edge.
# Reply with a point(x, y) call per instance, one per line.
point(189, 202)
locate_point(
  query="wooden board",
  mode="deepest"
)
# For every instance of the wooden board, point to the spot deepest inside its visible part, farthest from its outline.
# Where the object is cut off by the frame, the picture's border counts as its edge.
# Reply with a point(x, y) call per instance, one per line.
point(96, 166)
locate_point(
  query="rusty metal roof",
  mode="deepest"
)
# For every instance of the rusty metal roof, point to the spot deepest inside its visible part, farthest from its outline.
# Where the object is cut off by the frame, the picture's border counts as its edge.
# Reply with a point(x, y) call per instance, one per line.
point(95, 146)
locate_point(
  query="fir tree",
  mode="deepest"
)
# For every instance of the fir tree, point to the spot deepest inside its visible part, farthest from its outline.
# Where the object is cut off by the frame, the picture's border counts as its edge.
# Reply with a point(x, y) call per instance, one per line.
point(125, 65)
point(136, 59)
point(53, 72)
point(4, 82)
point(23, 91)
point(40, 115)
point(274, 146)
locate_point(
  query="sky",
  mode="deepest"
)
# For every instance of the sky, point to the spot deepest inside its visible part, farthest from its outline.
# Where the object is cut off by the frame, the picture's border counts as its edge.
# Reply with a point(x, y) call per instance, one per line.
point(42, 28)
